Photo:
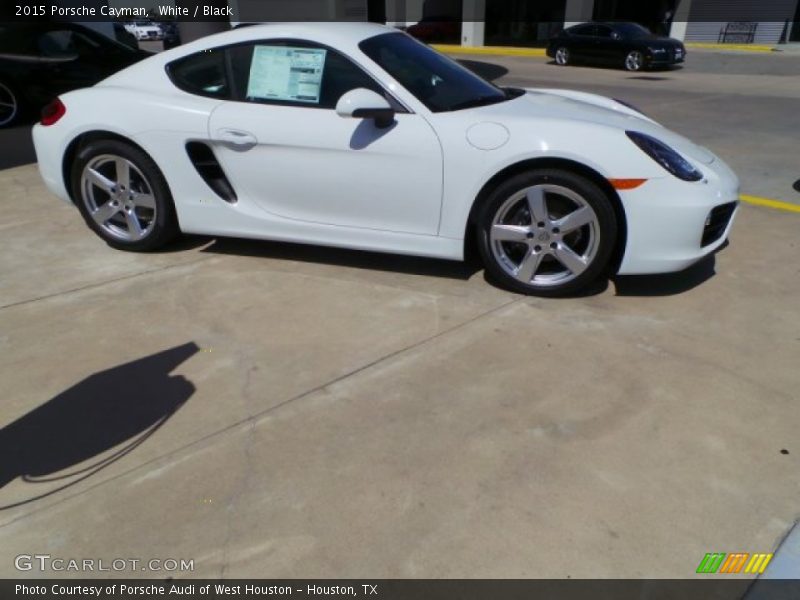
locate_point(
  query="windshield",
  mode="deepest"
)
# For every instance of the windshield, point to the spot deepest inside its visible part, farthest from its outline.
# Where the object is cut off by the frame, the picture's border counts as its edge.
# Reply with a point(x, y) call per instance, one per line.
point(100, 42)
point(631, 30)
point(439, 83)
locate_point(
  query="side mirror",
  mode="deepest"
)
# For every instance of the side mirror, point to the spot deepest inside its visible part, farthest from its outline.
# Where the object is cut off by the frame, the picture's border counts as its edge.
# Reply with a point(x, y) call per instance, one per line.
point(362, 103)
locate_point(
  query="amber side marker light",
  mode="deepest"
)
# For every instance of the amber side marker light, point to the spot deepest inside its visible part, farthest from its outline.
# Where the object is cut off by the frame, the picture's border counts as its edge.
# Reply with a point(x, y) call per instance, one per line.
point(53, 112)
point(626, 184)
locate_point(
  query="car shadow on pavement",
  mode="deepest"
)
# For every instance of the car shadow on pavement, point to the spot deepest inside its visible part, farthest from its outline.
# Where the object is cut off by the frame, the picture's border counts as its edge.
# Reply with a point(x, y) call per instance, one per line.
point(109, 413)
point(184, 243)
point(340, 257)
point(669, 284)
point(488, 71)
point(618, 67)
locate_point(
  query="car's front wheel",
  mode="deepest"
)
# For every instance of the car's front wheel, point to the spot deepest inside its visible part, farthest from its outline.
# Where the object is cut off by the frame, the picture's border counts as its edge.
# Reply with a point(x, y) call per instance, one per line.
point(634, 61)
point(123, 196)
point(10, 105)
point(562, 56)
point(546, 232)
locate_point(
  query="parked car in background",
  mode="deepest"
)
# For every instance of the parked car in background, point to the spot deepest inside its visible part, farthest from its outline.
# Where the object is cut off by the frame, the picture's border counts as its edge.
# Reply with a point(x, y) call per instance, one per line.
point(431, 30)
point(625, 44)
point(145, 30)
point(39, 61)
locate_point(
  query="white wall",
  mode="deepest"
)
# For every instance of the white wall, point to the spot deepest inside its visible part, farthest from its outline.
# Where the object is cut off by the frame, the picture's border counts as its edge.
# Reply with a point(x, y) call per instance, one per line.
point(579, 11)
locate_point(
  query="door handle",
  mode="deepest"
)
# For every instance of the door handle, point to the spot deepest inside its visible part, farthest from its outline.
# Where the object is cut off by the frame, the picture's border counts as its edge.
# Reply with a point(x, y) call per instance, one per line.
point(236, 137)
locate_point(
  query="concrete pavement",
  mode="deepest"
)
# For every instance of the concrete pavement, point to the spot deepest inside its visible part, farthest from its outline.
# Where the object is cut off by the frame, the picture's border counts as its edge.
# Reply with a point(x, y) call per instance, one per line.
point(360, 415)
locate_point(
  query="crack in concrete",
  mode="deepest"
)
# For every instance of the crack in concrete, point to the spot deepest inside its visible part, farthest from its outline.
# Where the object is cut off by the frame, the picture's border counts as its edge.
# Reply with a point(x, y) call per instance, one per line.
point(100, 284)
point(253, 420)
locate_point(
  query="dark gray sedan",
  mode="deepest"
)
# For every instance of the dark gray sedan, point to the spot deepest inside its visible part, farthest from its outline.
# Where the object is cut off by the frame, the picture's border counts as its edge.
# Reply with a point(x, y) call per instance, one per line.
point(628, 45)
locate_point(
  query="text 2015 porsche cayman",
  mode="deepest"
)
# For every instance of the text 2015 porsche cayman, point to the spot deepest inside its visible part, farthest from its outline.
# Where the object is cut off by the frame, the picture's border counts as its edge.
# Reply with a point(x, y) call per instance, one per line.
point(356, 135)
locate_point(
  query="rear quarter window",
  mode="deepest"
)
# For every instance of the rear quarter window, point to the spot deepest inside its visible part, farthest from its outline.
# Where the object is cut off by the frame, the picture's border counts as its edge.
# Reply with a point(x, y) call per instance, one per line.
point(202, 74)
point(582, 30)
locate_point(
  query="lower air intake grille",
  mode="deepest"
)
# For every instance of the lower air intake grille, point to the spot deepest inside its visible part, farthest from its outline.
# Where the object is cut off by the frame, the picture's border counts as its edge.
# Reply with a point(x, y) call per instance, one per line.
point(210, 170)
point(717, 222)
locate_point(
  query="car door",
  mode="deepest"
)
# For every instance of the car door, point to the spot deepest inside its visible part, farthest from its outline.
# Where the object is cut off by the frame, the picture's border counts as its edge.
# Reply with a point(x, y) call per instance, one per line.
point(68, 59)
point(607, 46)
point(284, 146)
point(73, 57)
point(582, 42)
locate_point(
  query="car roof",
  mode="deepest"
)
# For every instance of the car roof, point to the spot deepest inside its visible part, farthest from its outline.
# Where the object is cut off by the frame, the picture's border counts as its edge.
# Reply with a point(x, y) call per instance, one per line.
point(334, 34)
point(342, 36)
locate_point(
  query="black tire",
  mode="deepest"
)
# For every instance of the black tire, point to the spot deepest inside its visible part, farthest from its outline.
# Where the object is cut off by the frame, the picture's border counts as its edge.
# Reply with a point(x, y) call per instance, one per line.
point(161, 229)
point(598, 238)
point(10, 116)
point(562, 51)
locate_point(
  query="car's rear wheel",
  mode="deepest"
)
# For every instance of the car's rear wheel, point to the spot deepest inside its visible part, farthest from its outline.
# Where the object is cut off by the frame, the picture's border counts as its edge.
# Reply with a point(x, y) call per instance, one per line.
point(634, 61)
point(123, 196)
point(10, 106)
point(562, 56)
point(546, 233)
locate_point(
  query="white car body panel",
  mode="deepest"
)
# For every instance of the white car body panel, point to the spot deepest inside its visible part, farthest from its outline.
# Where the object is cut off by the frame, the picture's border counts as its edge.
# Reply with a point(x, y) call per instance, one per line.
point(320, 178)
point(393, 177)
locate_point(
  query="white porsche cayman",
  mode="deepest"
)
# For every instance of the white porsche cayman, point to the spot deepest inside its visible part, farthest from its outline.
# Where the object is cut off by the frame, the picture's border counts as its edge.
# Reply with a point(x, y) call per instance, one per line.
point(356, 135)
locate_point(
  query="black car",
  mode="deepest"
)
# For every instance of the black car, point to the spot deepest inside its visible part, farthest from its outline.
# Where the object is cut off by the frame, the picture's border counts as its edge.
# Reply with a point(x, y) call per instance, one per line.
point(172, 37)
point(626, 44)
point(39, 61)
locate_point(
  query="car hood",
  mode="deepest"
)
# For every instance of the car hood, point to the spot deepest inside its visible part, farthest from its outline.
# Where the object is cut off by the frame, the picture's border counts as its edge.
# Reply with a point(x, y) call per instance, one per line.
point(572, 106)
point(657, 40)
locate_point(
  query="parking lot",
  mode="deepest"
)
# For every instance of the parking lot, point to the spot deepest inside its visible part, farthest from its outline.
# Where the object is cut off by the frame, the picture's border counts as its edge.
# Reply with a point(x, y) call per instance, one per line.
point(271, 410)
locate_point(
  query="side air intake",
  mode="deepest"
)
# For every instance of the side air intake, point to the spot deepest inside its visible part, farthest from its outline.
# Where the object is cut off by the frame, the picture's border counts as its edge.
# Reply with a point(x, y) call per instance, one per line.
point(210, 170)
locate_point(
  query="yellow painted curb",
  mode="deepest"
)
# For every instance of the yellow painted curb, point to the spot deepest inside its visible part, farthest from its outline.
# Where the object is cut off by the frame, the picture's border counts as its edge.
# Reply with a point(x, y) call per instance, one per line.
point(776, 204)
point(489, 50)
point(742, 47)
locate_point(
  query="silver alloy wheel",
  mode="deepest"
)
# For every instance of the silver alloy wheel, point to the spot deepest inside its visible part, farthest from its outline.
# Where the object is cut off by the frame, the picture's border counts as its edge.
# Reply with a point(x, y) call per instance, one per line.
point(562, 56)
point(118, 197)
point(9, 105)
point(545, 235)
point(634, 61)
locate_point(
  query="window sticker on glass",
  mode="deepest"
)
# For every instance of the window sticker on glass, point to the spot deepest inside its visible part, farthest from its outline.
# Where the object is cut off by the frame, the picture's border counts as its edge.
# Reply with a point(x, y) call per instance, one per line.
point(285, 73)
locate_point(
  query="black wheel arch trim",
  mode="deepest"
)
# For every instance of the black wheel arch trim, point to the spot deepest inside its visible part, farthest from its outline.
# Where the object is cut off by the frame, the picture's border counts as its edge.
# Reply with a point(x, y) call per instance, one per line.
point(81, 140)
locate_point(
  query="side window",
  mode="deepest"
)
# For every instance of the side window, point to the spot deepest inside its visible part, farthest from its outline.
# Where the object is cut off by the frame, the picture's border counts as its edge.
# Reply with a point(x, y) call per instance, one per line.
point(295, 73)
point(583, 30)
point(203, 74)
point(604, 32)
point(56, 44)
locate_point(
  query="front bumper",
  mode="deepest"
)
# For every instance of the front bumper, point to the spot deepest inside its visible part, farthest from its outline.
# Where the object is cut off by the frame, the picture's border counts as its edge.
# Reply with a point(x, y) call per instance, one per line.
point(673, 224)
point(664, 59)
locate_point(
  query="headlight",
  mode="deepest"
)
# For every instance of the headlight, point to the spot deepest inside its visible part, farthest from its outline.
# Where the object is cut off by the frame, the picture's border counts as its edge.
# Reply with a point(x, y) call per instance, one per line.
point(665, 156)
